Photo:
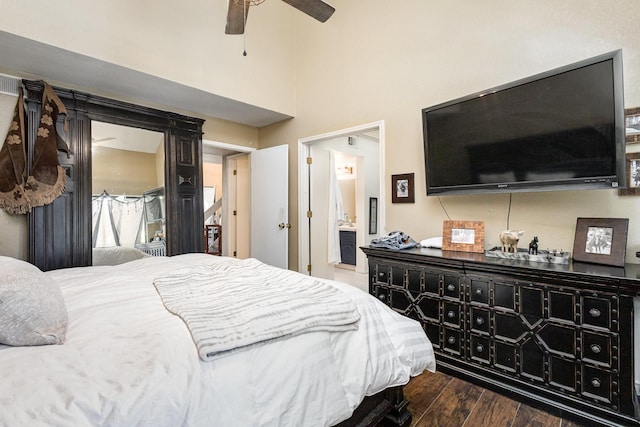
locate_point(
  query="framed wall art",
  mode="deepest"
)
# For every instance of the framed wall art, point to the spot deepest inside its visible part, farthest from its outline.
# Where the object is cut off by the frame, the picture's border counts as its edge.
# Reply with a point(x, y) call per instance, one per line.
point(463, 236)
point(632, 125)
point(601, 240)
point(633, 175)
point(373, 215)
point(402, 188)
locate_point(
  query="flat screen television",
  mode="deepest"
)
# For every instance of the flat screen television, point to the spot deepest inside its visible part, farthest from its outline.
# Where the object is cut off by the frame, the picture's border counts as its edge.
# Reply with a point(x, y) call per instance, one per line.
point(558, 130)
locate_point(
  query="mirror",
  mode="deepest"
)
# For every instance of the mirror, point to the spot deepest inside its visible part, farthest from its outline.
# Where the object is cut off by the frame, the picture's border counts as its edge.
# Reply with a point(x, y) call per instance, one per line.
point(128, 195)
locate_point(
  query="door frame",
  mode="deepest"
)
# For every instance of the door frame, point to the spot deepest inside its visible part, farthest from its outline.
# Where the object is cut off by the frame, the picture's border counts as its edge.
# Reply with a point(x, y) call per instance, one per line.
point(228, 184)
point(304, 145)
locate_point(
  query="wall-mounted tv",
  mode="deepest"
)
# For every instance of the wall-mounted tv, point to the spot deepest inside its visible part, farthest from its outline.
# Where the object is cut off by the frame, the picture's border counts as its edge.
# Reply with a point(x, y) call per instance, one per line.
point(559, 130)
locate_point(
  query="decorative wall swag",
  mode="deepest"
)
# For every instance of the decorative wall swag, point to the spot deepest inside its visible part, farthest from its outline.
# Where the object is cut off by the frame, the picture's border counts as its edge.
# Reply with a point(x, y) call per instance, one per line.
point(47, 178)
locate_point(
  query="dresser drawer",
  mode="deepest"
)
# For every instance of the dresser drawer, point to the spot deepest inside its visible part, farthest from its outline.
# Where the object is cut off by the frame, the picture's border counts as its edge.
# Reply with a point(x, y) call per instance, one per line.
point(597, 311)
point(596, 348)
point(452, 286)
point(452, 314)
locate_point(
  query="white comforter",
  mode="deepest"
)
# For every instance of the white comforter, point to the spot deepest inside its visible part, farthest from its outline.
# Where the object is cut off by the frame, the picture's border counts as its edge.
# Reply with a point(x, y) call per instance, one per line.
point(127, 361)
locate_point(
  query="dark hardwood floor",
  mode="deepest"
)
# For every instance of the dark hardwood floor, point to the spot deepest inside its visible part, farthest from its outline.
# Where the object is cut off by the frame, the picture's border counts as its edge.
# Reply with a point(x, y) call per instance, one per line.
point(439, 400)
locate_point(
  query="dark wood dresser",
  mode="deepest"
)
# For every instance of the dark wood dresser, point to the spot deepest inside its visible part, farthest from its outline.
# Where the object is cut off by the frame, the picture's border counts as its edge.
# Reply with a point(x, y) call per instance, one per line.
point(558, 337)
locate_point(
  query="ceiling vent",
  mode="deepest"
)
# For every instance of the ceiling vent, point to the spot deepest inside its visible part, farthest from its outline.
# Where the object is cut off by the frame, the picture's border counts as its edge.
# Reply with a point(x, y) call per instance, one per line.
point(9, 85)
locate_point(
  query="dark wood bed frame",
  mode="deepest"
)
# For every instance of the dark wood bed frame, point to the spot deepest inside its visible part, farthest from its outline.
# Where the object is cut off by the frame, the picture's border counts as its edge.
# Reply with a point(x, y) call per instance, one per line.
point(387, 408)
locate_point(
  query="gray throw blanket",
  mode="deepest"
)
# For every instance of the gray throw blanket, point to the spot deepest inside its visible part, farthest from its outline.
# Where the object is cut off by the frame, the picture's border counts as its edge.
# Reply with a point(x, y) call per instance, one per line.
point(395, 240)
point(238, 303)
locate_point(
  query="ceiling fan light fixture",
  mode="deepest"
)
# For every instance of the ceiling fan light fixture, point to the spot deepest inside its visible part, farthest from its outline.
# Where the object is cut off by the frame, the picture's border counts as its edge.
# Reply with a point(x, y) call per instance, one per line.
point(238, 10)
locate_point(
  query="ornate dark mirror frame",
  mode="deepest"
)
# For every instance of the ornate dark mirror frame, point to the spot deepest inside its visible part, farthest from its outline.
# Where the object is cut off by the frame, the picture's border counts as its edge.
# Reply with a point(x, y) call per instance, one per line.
point(60, 233)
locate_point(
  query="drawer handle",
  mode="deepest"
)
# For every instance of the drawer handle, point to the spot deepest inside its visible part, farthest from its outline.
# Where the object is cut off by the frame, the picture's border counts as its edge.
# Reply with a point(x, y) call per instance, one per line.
point(596, 348)
point(479, 348)
point(596, 383)
point(451, 287)
point(479, 321)
point(381, 274)
point(382, 297)
point(479, 291)
point(451, 340)
point(594, 312)
point(451, 314)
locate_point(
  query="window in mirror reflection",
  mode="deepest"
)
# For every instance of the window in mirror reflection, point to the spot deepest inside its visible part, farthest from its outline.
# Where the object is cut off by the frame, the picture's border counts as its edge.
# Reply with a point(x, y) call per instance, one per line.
point(128, 206)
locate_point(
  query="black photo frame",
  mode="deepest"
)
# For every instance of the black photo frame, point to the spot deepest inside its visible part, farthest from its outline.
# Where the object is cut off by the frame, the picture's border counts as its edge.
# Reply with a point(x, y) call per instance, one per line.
point(601, 241)
point(402, 188)
point(373, 215)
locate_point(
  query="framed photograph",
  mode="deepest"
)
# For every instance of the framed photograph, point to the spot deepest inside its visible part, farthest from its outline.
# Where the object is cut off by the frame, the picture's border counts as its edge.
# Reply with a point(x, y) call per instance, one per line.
point(463, 236)
point(402, 190)
point(213, 239)
point(633, 176)
point(601, 241)
point(632, 125)
point(373, 215)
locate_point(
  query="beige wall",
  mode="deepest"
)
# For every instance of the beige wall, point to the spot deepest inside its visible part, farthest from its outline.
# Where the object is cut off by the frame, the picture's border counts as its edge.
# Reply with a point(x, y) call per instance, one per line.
point(212, 177)
point(357, 71)
point(13, 228)
point(123, 172)
point(139, 35)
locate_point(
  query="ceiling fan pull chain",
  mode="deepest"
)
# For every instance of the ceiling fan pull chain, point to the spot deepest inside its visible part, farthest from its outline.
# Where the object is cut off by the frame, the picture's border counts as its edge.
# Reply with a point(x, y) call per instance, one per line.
point(244, 32)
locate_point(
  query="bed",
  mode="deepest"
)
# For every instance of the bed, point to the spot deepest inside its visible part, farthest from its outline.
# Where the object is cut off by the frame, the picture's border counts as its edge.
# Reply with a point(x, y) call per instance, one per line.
point(123, 359)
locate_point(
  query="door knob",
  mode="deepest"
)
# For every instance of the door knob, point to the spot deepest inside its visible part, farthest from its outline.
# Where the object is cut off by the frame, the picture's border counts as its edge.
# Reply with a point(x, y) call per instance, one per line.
point(282, 225)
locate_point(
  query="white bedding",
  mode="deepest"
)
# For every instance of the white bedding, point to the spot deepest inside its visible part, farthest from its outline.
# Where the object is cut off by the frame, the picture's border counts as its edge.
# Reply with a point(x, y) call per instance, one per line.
point(127, 361)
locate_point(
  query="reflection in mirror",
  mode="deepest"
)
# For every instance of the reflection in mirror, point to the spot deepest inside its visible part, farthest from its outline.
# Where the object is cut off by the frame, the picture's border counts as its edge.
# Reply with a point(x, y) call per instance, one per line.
point(128, 204)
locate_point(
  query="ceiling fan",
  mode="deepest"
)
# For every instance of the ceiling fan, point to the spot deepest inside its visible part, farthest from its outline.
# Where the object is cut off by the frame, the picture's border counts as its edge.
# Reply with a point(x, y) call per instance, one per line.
point(239, 9)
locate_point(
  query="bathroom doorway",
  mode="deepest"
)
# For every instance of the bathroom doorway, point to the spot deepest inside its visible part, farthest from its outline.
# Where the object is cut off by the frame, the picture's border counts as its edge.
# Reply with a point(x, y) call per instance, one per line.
point(363, 146)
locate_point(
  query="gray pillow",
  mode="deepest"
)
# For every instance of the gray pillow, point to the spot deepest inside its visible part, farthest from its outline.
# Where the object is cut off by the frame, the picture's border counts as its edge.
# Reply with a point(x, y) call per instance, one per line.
point(32, 309)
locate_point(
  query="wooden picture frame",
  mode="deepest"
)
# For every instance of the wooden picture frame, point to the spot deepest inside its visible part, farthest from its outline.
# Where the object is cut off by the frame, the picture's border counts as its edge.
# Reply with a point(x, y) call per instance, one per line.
point(632, 187)
point(213, 239)
point(601, 241)
point(402, 188)
point(632, 125)
point(373, 215)
point(463, 236)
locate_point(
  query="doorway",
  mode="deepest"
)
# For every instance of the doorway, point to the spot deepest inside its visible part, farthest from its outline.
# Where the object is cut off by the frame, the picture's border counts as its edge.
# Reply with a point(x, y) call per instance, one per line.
point(254, 202)
point(313, 199)
point(226, 170)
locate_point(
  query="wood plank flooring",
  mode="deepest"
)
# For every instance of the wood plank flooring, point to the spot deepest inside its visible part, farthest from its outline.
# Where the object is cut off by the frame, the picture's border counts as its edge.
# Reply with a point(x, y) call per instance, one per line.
point(439, 400)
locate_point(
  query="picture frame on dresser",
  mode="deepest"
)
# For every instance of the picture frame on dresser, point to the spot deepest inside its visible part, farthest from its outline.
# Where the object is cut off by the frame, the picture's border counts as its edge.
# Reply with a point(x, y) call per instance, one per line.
point(601, 241)
point(463, 236)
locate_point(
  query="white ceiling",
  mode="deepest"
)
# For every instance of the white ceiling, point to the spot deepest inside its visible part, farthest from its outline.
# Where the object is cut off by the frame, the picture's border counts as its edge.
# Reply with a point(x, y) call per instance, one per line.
point(30, 59)
point(125, 137)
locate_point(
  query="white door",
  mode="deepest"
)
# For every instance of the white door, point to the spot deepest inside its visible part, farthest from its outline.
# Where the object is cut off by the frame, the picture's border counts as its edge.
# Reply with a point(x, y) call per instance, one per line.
point(318, 231)
point(270, 205)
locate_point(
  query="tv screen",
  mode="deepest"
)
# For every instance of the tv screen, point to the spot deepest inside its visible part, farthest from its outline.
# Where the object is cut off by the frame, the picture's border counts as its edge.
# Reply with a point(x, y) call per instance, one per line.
point(563, 129)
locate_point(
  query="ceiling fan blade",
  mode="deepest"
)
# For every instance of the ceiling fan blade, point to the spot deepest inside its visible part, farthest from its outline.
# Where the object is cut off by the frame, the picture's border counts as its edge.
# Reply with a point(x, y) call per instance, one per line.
point(236, 17)
point(314, 8)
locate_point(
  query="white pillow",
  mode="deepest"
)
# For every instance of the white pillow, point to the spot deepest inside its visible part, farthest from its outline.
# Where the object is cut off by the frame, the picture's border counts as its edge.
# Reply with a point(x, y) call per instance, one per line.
point(115, 255)
point(32, 309)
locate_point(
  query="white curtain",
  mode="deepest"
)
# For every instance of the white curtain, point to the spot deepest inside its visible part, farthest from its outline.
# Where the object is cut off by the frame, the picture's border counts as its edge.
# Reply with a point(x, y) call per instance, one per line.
point(336, 213)
point(116, 220)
